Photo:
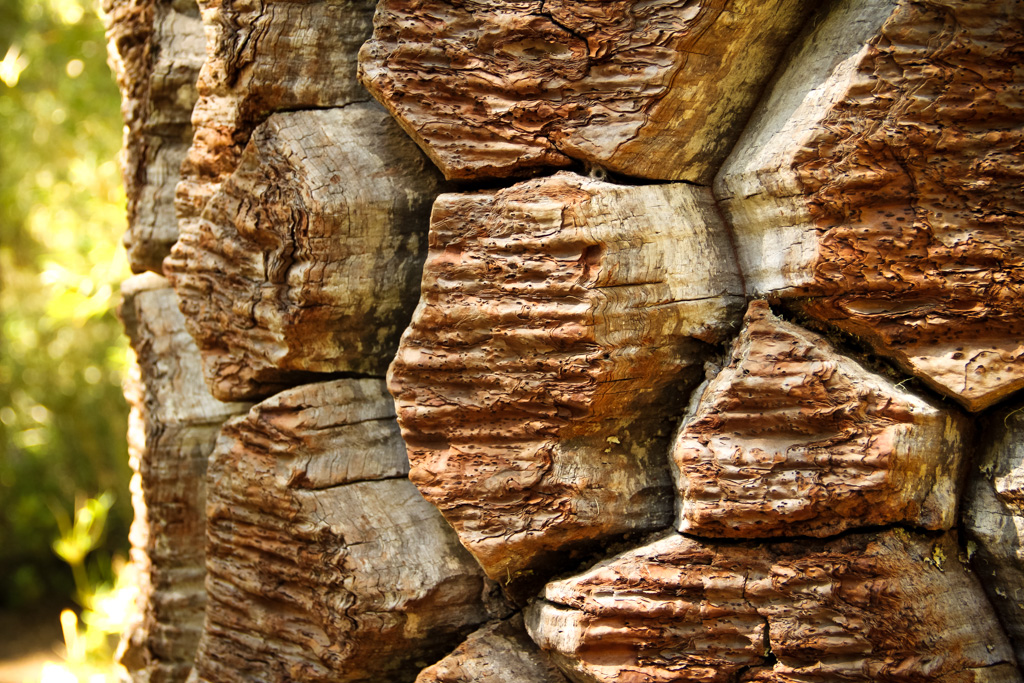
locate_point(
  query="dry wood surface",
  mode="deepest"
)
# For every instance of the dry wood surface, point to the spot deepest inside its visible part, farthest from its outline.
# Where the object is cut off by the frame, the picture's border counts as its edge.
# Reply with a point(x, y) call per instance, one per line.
point(324, 563)
point(559, 321)
point(854, 165)
point(174, 424)
point(878, 187)
point(993, 518)
point(882, 607)
point(308, 257)
point(500, 88)
point(263, 58)
point(156, 49)
point(794, 439)
point(500, 652)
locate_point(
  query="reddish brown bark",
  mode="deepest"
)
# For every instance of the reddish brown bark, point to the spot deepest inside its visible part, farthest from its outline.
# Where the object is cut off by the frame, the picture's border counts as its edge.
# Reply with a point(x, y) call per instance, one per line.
point(562, 322)
point(497, 89)
point(898, 177)
point(557, 320)
point(884, 607)
point(794, 439)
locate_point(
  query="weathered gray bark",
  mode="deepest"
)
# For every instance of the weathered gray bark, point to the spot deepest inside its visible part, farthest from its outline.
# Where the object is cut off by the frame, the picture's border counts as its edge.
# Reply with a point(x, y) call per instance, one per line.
point(498, 653)
point(323, 561)
point(156, 50)
point(263, 59)
point(307, 258)
point(174, 424)
point(873, 199)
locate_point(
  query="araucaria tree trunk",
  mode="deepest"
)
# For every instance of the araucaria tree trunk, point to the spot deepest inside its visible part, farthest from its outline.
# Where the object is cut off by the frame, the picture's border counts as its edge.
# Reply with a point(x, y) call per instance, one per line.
point(600, 341)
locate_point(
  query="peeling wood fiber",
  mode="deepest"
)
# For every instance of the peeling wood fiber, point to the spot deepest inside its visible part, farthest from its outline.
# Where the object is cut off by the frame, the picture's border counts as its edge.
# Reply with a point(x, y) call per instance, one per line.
point(351, 536)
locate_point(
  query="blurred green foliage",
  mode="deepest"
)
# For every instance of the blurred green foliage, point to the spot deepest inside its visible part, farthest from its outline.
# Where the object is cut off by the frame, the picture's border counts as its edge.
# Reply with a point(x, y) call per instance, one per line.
point(91, 640)
point(62, 415)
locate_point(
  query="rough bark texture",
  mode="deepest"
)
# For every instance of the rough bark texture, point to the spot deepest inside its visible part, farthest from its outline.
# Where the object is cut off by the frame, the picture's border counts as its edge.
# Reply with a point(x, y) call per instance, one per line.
point(324, 563)
point(308, 258)
point(881, 178)
point(261, 59)
point(174, 423)
point(794, 439)
point(650, 89)
point(562, 323)
point(892, 606)
point(498, 653)
point(994, 519)
point(156, 50)
point(557, 319)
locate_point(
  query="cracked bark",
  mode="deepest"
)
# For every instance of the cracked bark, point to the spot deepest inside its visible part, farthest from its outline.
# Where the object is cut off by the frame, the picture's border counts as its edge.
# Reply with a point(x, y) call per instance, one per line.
point(557, 320)
point(562, 322)
point(877, 188)
point(324, 563)
point(792, 438)
point(174, 423)
point(157, 48)
point(890, 606)
point(500, 652)
point(307, 259)
point(492, 88)
point(261, 59)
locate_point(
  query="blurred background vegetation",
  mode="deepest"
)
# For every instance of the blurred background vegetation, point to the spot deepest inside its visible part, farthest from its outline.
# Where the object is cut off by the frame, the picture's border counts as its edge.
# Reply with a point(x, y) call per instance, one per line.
point(62, 415)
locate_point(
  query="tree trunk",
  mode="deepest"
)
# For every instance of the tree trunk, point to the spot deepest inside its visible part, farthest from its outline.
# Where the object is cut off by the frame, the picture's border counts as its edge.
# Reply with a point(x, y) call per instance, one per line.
point(174, 424)
point(591, 466)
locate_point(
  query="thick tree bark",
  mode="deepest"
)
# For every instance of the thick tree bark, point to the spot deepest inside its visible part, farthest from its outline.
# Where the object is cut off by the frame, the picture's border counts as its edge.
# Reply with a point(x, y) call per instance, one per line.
point(878, 188)
point(794, 439)
point(487, 520)
point(324, 563)
point(262, 59)
point(174, 424)
point(308, 258)
point(157, 48)
point(654, 90)
point(581, 309)
point(893, 606)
